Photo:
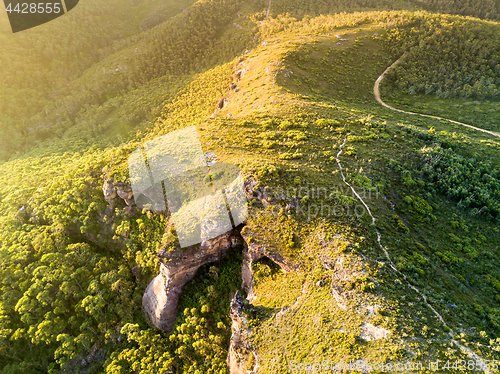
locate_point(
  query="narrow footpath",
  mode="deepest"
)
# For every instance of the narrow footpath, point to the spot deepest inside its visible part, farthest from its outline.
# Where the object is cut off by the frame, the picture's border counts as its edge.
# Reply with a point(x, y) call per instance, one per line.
point(480, 362)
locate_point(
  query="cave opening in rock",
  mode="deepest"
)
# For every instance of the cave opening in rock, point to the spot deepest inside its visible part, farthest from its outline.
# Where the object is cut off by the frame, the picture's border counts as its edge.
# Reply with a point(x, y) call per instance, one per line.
point(265, 268)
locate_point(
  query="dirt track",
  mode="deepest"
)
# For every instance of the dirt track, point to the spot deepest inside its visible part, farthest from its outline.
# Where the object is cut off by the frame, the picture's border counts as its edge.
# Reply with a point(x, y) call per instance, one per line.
point(376, 92)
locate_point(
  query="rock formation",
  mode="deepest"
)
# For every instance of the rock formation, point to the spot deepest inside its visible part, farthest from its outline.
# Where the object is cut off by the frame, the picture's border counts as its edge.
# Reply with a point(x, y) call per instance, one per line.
point(241, 358)
point(255, 251)
point(370, 332)
point(113, 190)
point(177, 268)
point(221, 103)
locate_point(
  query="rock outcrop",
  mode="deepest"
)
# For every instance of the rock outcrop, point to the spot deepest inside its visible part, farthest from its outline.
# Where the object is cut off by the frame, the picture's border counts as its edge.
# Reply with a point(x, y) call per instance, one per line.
point(255, 251)
point(370, 332)
point(113, 190)
point(177, 268)
point(242, 357)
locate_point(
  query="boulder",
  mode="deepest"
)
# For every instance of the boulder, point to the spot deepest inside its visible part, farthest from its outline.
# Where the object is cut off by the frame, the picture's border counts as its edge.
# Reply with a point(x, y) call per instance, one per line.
point(109, 192)
point(221, 103)
point(113, 191)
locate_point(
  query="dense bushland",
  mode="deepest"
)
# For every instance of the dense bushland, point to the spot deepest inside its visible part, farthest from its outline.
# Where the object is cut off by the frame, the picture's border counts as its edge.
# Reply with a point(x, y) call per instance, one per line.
point(40, 102)
point(485, 9)
point(445, 56)
point(474, 183)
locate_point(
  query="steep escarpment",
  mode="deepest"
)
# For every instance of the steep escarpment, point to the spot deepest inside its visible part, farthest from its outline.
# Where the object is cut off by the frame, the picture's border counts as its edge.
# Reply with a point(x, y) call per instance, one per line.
point(179, 265)
point(177, 268)
point(242, 357)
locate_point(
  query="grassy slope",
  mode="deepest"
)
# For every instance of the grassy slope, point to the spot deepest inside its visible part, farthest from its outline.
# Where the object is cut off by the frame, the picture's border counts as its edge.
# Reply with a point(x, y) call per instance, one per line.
point(99, 98)
point(484, 113)
point(318, 88)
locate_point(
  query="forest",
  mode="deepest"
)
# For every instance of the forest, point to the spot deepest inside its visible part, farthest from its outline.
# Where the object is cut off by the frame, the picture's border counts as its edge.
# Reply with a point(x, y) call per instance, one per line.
point(40, 102)
point(446, 57)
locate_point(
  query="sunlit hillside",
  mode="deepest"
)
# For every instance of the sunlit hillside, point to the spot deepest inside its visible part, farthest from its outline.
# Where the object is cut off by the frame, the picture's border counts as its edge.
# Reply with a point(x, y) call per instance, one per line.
point(377, 225)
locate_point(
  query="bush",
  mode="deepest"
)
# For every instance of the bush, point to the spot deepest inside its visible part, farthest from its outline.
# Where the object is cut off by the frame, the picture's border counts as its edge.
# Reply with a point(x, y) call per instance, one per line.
point(472, 182)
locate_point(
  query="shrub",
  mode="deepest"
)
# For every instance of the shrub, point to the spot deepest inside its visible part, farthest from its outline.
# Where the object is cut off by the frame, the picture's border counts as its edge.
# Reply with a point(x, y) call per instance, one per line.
point(296, 135)
point(290, 155)
point(323, 123)
point(472, 182)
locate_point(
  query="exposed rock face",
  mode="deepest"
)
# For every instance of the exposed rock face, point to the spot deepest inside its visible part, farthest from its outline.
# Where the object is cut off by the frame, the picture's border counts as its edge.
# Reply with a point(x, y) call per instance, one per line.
point(370, 332)
point(254, 192)
point(242, 358)
point(177, 268)
point(113, 190)
point(254, 252)
point(249, 257)
point(221, 103)
point(109, 191)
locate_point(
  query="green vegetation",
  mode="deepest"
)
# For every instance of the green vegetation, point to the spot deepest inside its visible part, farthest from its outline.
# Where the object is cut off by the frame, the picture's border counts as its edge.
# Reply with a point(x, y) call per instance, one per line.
point(473, 183)
point(86, 101)
point(201, 336)
point(73, 269)
point(482, 8)
point(483, 113)
point(446, 56)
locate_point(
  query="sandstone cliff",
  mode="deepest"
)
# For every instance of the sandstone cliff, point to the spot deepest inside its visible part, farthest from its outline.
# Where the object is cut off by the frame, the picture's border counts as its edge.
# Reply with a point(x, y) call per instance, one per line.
point(177, 268)
point(254, 251)
point(242, 357)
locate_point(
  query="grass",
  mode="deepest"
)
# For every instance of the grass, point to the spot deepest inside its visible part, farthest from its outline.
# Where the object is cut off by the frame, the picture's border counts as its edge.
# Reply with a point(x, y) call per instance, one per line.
point(325, 106)
point(482, 113)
